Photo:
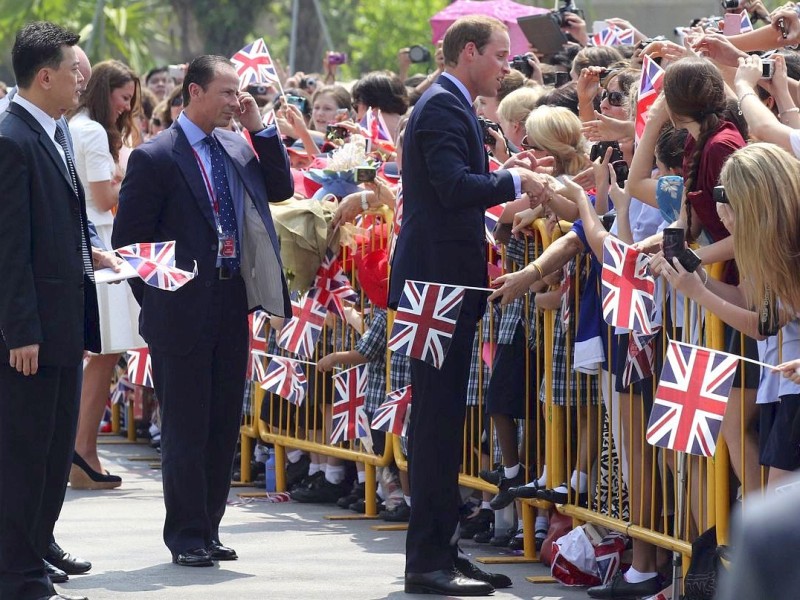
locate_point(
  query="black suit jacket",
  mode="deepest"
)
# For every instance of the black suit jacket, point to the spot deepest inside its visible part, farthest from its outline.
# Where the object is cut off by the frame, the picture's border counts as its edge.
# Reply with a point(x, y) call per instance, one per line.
point(163, 197)
point(45, 298)
point(446, 190)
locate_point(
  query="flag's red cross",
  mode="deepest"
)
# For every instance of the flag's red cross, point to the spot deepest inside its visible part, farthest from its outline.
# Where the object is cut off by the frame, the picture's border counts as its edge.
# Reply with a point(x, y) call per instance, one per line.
point(624, 290)
point(427, 318)
point(305, 315)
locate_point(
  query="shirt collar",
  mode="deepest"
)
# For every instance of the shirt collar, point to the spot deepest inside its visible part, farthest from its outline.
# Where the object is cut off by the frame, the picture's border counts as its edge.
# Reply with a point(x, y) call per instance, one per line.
point(459, 85)
point(193, 133)
point(47, 122)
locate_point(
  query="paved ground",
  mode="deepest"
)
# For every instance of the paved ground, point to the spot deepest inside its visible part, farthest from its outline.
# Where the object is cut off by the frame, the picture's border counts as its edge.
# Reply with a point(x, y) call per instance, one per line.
point(287, 551)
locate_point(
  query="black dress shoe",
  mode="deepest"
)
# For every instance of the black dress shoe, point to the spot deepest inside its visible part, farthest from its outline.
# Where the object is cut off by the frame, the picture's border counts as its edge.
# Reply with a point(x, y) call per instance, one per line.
point(71, 565)
point(504, 497)
point(399, 514)
point(619, 588)
point(55, 574)
point(481, 522)
point(469, 569)
point(446, 582)
point(198, 557)
point(296, 471)
point(528, 490)
point(307, 482)
point(356, 494)
point(219, 552)
point(560, 496)
point(494, 476)
point(321, 491)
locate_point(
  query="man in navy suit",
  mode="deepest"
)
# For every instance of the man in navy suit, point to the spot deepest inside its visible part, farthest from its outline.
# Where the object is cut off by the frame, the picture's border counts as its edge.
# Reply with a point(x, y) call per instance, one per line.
point(447, 187)
point(205, 188)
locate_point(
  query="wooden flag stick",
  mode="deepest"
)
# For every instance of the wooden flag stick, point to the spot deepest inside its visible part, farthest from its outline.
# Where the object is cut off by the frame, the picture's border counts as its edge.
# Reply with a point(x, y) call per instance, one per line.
point(305, 362)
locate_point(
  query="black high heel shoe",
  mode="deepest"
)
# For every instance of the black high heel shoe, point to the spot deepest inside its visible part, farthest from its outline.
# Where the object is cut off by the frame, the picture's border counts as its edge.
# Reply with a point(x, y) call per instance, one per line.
point(83, 477)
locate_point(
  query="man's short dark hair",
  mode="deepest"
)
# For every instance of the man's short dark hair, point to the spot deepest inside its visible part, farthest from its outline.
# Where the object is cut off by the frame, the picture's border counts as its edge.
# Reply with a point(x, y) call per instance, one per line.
point(37, 46)
point(155, 71)
point(202, 71)
point(472, 28)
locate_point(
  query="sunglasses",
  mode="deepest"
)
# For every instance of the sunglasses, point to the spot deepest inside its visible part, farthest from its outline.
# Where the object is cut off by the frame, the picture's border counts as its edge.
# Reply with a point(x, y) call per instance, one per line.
point(614, 98)
point(177, 101)
point(528, 146)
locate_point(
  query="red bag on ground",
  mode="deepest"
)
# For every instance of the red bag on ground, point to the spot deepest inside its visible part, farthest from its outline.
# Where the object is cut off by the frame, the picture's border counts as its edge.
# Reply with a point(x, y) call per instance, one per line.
point(559, 526)
point(573, 561)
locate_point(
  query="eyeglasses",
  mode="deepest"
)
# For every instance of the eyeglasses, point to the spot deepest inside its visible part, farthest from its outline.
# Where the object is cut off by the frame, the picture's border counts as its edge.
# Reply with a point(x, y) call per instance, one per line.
point(528, 146)
point(614, 98)
point(177, 101)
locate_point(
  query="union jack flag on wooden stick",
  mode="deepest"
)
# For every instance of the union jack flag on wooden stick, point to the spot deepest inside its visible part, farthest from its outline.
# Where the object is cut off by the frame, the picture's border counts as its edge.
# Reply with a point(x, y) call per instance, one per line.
point(425, 321)
point(650, 85)
point(254, 65)
point(301, 333)
point(639, 359)
point(392, 415)
point(350, 391)
point(628, 287)
point(331, 285)
point(140, 367)
point(258, 345)
point(286, 378)
point(154, 262)
point(691, 399)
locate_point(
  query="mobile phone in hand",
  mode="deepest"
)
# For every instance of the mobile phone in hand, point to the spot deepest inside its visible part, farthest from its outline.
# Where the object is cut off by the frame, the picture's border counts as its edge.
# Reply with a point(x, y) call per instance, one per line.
point(673, 243)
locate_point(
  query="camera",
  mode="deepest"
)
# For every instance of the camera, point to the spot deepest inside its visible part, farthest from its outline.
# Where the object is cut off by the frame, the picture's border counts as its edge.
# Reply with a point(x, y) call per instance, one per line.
point(599, 151)
point(767, 68)
point(336, 132)
point(337, 58)
point(365, 174)
point(559, 15)
point(486, 125)
point(731, 4)
point(257, 90)
point(620, 171)
point(298, 101)
point(719, 195)
point(520, 63)
point(689, 260)
point(608, 219)
point(556, 79)
point(419, 54)
point(673, 242)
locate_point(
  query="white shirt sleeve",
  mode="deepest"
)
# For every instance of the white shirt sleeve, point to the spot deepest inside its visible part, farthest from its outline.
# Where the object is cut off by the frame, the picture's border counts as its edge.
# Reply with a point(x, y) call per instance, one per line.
point(91, 149)
point(794, 139)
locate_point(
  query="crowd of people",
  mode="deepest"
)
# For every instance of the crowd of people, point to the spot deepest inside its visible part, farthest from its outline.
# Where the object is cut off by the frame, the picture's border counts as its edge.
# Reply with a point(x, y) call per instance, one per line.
point(186, 153)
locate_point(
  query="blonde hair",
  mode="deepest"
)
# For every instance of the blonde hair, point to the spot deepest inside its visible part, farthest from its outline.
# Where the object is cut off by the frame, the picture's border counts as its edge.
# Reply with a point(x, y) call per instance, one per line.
point(516, 107)
point(762, 183)
point(558, 131)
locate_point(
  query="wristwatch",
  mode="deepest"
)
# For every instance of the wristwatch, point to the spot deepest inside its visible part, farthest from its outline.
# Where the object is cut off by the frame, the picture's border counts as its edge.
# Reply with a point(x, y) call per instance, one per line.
point(364, 203)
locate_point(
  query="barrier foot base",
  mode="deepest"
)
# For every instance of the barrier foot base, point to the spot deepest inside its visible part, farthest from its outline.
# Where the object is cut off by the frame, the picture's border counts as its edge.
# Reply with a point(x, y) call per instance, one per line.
point(390, 527)
point(155, 465)
point(243, 484)
point(506, 560)
point(353, 517)
point(150, 458)
point(542, 579)
point(112, 438)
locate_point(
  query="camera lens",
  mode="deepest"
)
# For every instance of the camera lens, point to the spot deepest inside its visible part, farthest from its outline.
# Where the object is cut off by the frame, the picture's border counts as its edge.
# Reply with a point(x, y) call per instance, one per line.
point(418, 54)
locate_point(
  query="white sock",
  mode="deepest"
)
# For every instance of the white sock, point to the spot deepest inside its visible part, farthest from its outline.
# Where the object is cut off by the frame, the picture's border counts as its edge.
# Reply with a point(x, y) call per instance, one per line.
point(314, 468)
point(485, 505)
point(519, 524)
point(511, 472)
point(334, 475)
point(362, 476)
point(579, 481)
point(542, 524)
point(407, 499)
point(294, 455)
point(542, 481)
point(634, 576)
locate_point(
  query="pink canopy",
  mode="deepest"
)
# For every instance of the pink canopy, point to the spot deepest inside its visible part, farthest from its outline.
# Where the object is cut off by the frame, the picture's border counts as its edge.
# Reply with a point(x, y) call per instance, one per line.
point(505, 10)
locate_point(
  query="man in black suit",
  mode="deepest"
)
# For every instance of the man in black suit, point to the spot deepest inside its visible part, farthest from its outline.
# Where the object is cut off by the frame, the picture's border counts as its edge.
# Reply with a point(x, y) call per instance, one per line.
point(206, 189)
point(48, 306)
point(447, 187)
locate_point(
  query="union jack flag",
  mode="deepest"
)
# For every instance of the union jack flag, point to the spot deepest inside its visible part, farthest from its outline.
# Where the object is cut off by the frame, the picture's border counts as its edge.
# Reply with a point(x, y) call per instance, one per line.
point(254, 65)
point(650, 84)
point(258, 345)
point(625, 37)
point(491, 218)
point(376, 130)
point(639, 359)
point(351, 391)
point(628, 287)
point(286, 378)
point(607, 37)
point(120, 391)
point(154, 262)
point(746, 25)
point(691, 398)
point(425, 321)
point(140, 367)
point(391, 416)
point(301, 333)
point(331, 285)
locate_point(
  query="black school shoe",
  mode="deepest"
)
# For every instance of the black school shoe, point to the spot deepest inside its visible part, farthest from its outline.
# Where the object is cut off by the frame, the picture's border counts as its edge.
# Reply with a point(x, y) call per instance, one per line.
point(320, 491)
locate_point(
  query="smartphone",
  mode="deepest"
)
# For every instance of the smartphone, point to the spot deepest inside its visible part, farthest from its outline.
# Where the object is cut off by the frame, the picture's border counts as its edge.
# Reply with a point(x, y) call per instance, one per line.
point(673, 243)
point(365, 174)
point(621, 171)
point(689, 260)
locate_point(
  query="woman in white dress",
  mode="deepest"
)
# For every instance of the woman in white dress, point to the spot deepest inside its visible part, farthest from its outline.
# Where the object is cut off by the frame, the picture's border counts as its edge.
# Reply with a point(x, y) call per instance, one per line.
point(101, 127)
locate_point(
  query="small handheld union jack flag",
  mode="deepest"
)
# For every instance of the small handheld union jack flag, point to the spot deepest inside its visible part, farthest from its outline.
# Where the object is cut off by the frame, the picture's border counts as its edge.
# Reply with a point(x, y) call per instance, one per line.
point(376, 131)
point(392, 415)
point(490, 219)
point(120, 391)
point(691, 398)
point(286, 378)
point(425, 321)
point(628, 287)
point(746, 25)
point(154, 262)
point(639, 359)
point(331, 285)
point(351, 391)
point(140, 367)
point(301, 333)
point(254, 65)
point(650, 85)
point(258, 345)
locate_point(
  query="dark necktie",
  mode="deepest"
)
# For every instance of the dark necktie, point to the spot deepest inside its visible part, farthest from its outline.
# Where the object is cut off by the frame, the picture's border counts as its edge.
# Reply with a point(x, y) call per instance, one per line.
point(226, 212)
point(61, 138)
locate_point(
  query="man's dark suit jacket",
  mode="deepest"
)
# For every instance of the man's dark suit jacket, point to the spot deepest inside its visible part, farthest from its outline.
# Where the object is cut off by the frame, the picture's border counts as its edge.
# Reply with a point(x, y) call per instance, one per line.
point(164, 197)
point(446, 190)
point(45, 297)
